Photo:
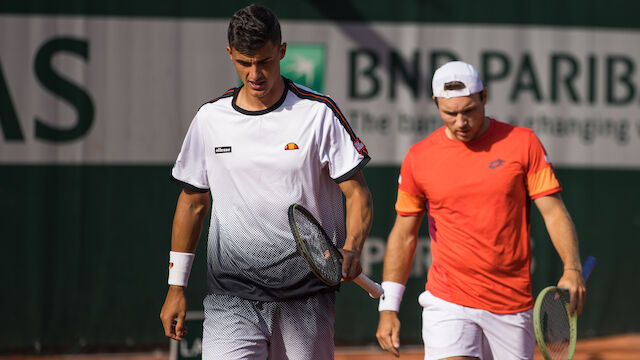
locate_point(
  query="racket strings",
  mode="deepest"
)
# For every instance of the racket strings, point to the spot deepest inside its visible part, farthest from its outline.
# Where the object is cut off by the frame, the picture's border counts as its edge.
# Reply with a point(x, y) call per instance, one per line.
point(555, 325)
point(324, 258)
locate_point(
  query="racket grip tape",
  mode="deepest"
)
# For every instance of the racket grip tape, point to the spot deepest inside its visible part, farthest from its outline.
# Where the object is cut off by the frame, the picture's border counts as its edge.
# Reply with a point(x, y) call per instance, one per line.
point(373, 288)
point(589, 263)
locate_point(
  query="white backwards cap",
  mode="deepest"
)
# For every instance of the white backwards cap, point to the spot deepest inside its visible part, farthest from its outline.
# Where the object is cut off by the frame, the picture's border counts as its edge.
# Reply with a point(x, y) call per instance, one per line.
point(456, 71)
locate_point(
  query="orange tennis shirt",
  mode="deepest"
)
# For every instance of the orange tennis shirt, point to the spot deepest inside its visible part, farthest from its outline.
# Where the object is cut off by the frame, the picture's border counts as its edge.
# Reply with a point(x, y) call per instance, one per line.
point(476, 196)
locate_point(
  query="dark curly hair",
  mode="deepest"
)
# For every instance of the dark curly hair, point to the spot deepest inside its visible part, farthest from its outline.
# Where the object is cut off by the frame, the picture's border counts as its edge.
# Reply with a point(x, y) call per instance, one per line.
point(252, 27)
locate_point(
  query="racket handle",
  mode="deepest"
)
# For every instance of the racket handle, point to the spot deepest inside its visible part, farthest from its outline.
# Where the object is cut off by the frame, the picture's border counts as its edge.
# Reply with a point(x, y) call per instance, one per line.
point(373, 288)
point(589, 263)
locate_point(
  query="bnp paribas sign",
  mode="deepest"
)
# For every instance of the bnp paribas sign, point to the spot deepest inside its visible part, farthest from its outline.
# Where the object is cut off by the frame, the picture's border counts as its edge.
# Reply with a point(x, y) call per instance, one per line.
point(304, 64)
point(82, 90)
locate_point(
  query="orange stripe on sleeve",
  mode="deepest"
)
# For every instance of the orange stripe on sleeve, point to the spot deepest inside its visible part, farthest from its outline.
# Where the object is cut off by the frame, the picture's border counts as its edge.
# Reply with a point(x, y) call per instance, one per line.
point(331, 104)
point(542, 183)
point(409, 204)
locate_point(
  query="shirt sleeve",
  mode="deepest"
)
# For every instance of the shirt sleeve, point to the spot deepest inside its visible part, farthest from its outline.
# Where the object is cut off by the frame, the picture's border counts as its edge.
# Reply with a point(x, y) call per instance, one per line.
point(411, 200)
point(541, 179)
point(190, 170)
point(341, 150)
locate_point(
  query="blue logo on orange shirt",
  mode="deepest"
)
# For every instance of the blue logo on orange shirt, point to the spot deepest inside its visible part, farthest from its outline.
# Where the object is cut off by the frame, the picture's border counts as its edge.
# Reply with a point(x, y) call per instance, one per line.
point(496, 163)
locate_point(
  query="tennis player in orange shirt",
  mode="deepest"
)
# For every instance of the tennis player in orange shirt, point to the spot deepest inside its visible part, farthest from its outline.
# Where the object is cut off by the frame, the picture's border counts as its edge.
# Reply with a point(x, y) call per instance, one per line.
point(474, 179)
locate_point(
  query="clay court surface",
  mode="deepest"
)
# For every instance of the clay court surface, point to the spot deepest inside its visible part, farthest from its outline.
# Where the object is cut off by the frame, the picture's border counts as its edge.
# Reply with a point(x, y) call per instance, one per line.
point(623, 347)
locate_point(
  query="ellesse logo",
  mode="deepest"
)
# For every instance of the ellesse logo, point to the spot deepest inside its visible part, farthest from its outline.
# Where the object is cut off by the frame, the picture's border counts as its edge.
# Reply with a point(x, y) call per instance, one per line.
point(222, 149)
point(291, 146)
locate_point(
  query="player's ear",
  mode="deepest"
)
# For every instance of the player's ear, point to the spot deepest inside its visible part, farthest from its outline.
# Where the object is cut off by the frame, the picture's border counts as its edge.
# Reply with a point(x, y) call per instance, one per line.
point(229, 52)
point(283, 50)
point(484, 96)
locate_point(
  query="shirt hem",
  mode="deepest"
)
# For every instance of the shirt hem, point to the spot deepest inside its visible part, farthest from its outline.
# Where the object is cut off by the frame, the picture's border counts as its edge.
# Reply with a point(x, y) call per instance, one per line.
point(187, 186)
point(352, 172)
point(475, 306)
point(404, 213)
point(545, 193)
point(267, 298)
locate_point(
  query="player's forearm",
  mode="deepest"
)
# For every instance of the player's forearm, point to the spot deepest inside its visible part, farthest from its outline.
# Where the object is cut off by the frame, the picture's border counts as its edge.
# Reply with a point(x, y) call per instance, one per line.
point(359, 219)
point(188, 221)
point(359, 206)
point(563, 234)
point(401, 246)
point(399, 256)
point(565, 239)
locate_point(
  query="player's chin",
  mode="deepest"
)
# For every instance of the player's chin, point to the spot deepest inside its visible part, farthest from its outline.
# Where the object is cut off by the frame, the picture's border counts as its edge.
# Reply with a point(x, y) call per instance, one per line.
point(464, 136)
point(258, 93)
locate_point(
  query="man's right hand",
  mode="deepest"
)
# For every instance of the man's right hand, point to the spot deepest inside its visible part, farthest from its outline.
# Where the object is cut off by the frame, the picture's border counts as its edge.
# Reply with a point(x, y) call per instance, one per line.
point(173, 313)
point(389, 332)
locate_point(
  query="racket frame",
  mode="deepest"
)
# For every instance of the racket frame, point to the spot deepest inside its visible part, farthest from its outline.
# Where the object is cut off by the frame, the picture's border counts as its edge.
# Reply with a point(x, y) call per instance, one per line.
point(374, 289)
point(537, 327)
point(587, 267)
point(302, 247)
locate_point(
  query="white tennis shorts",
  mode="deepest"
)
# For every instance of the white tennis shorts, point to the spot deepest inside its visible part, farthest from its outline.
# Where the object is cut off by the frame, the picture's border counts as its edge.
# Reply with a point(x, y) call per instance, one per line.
point(236, 328)
point(453, 330)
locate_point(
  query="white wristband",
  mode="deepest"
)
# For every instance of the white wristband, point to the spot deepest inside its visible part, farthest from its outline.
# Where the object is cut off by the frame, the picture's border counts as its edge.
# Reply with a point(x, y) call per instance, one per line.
point(180, 267)
point(392, 296)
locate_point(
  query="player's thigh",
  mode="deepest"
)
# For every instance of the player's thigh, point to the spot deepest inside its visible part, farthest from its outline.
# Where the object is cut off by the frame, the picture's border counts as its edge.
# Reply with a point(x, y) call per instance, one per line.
point(303, 329)
point(232, 330)
point(448, 331)
point(510, 336)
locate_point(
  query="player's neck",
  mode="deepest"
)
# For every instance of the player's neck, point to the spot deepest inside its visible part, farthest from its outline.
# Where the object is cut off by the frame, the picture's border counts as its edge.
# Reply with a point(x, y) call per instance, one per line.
point(256, 102)
point(485, 126)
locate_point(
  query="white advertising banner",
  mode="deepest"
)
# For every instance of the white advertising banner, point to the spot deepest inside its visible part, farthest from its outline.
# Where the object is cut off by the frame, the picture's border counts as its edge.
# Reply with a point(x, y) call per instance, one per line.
point(93, 90)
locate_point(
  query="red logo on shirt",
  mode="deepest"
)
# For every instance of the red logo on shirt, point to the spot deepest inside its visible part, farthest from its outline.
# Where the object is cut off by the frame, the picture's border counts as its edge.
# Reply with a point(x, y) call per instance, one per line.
point(291, 146)
point(359, 145)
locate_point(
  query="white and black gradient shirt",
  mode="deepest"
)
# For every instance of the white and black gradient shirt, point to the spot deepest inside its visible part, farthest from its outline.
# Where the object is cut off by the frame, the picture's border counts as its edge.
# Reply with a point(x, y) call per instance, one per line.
point(256, 164)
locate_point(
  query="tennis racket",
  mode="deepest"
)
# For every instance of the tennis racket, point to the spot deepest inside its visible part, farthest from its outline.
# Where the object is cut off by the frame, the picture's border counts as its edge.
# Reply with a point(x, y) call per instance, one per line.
point(556, 329)
point(316, 248)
